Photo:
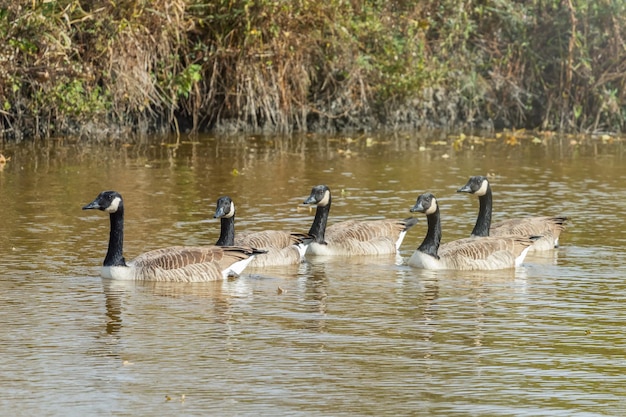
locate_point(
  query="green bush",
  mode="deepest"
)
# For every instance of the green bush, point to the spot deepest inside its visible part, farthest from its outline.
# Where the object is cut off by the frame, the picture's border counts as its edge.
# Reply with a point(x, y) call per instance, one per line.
point(278, 66)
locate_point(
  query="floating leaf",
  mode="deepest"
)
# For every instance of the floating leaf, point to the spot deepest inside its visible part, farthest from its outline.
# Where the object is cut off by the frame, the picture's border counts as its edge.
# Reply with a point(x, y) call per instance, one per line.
point(457, 145)
point(511, 140)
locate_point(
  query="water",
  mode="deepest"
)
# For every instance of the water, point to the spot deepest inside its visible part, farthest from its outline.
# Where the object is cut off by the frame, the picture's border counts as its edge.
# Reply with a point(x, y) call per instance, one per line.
point(328, 337)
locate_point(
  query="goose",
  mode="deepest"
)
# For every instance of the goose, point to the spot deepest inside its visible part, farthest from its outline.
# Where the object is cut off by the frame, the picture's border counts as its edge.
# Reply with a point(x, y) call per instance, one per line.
point(548, 227)
point(176, 263)
point(283, 248)
point(484, 253)
point(352, 237)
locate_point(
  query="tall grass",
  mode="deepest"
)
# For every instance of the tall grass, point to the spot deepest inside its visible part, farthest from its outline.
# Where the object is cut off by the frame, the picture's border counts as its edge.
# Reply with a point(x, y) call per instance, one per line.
point(281, 66)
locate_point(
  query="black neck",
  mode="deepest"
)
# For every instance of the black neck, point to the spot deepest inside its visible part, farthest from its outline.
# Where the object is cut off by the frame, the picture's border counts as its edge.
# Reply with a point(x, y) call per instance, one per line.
point(430, 245)
point(318, 228)
point(227, 232)
point(483, 222)
point(116, 239)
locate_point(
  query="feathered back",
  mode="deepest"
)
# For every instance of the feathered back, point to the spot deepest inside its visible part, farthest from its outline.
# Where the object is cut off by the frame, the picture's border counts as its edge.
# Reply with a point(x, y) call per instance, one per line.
point(271, 239)
point(283, 248)
point(483, 253)
point(372, 237)
point(548, 227)
point(190, 263)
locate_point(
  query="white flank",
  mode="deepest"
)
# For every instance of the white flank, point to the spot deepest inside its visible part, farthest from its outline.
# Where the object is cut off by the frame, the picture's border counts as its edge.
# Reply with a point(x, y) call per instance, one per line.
point(422, 260)
point(237, 268)
point(400, 239)
point(302, 247)
point(124, 273)
point(520, 258)
point(321, 250)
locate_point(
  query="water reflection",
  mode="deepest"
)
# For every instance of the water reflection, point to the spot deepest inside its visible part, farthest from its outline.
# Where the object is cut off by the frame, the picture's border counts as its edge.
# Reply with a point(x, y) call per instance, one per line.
point(113, 295)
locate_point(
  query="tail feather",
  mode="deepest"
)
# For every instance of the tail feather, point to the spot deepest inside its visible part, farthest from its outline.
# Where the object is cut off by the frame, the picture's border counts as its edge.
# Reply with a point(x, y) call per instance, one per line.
point(410, 222)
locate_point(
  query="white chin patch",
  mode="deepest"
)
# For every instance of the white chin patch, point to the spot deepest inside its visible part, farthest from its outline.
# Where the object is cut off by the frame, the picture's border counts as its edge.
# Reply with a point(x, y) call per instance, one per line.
point(432, 208)
point(483, 188)
point(324, 201)
point(231, 212)
point(115, 204)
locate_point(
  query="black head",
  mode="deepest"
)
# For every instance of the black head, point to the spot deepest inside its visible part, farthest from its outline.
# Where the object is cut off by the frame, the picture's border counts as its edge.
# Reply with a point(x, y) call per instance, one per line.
point(225, 208)
point(109, 201)
point(320, 195)
point(477, 185)
point(426, 203)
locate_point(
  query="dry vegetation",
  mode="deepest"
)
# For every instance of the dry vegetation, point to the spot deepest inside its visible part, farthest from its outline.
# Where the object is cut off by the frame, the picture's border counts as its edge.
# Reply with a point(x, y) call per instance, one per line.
point(105, 67)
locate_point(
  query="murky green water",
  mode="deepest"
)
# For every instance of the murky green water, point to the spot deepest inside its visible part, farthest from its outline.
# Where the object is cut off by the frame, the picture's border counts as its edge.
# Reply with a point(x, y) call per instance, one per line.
point(358, 337)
